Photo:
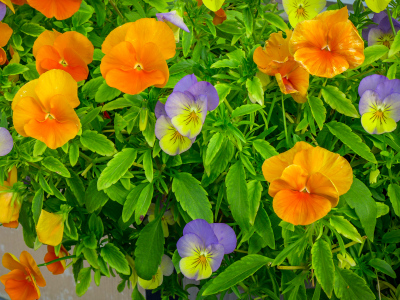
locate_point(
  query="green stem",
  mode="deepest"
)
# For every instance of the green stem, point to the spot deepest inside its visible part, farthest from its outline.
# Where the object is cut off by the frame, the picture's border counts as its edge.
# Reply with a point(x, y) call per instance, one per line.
point(85, 157)
point(87, 170)
point(391, 21)
point(292, 267)
point(347, 245)
point(284, 123)
point(57, 260)
point(241, 251)
point(117, 9)
point(228, 105)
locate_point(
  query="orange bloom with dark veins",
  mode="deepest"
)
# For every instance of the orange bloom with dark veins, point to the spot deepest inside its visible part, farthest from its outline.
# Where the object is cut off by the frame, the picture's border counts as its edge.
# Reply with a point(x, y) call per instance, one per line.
point(25, 277)
point(276, 60)
point(136, 54)
point(60, 9)
point(59, 267)
point(70, 52)
point(306, 182)
point(328, 45)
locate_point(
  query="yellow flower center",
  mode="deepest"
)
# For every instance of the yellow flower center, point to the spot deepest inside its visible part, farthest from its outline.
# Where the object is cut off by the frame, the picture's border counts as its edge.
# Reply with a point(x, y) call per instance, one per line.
point(301, 11)
point(177, 137)
point(380, 112)
point(50, 117)
point(138, 67)
point(63, 63)
point(386, 39)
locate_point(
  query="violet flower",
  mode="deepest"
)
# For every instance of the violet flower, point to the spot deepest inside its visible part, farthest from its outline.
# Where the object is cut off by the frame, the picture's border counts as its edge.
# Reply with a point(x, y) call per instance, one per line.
point(6, 142)
point(174, 21)
point(381, 33)
point(3, 10)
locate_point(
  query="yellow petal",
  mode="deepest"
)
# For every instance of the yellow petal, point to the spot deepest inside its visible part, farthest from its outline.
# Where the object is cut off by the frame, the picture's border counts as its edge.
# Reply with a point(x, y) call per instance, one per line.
point(50, 228)
point(154, 283)
point(213, 5)
point(377, 5)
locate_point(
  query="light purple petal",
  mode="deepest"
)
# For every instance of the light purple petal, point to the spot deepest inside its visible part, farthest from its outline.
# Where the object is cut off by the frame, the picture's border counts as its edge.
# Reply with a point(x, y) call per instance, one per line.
point(388, 87)
point(217, 251)
point(226, 236)
point(188, 244)
point(159, 110)
point(377, 18)
point(185, 83)
point(365, 31)
point(3, 10)
point(207, 89)
point(163, 124)
point(176, 102)
point(385, 26)
point(374, 35)
point(392, 106)
point(6, 142)
point(370, 83)
point(368, 102)
point(174, 18)
point(167, 266)
point(203, 230)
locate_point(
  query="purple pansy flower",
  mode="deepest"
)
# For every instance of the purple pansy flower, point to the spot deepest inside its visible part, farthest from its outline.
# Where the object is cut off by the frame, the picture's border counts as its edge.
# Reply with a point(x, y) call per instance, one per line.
point(6, 142)
point(381, 33)
point(380, 104)
point(202, 248)
point(3, 10)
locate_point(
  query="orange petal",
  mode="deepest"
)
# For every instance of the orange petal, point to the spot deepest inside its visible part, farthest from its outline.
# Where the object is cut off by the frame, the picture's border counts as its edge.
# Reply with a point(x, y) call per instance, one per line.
point(115, 37)
point(28, 90)
point(47, 58)
point(11, 262)
point(61, 10)
point(16, 274)
point(50, 228)
point(220, 17)
point(75, 40)
point(28, 261)
point(46, 38)
point(6, 211)
point(56, 268)
point(293, 178)
point(273, 167)
point(336, 168)
point(27, 109)
point(3, 57)
point(320, 185)
point(300, 208)
point(57, 82)
point(18, 287)
point(148, 30)
point(55, 132)
point(13, 224)
point(5, 35)
point(309, 34)
point(331, 17)
point(118, 68)
point(19, 2)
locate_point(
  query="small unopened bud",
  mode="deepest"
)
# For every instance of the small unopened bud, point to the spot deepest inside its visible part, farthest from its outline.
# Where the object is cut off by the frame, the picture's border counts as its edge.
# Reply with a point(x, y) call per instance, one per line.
point(373, 176)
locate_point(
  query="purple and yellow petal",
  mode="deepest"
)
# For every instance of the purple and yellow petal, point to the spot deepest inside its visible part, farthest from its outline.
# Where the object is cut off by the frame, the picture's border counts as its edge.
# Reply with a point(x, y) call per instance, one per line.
point(215, 254)
point(370, 83)
point(369, 101)
point(207, 89)
point(173, 18)
point(202, 229)
point(188, 244)
point(388, 87)
point(391, 106)
point(185, 83)
point(226, 236)
point(193, 267)
point(375, 124)
point(154, 283)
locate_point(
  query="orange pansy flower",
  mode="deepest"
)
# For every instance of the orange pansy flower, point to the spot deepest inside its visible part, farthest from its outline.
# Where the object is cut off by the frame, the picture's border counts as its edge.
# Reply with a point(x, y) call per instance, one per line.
point(5, 34)
point(70, 51)
point(10, 204)
point(59, 267)
point(328, 45)
point(50, 228)
point(136, 55)
point(219, 17)
point(60, 9)
point(44, 109)
point(276, 60)
point(306, 182)
point(25, 277)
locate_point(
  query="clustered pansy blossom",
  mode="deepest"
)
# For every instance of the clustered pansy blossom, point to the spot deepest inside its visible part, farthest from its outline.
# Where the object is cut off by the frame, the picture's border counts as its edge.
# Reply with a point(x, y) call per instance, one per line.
point(202, 248)
point(380, 104)
point(70, 51)
point(381, 33)
point(181, 119)
point(306, 182)
point(44, 109)
point(24, 278)
point(136, 55)
point(10, 202)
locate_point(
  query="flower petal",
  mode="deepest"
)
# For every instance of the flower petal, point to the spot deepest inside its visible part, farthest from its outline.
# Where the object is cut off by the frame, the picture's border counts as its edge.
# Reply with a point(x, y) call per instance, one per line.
point(115, 37)
point(10, 262)
point(370, 83)
point(293, 178)
point(167, 267)
point(185, 83)
point(369, 102)
point(226, 236)
point(6, 142)
point(61, 10)
point(377, 5)
point(388, 87)
point(5, 35)
point(75, 40)
point(18, 287)
point(159, 110)
point(215, 254)
point(392, 106)
point(213, 5)
point(319, 184)
point(207, 89)
point(28, 90)
point(46, 38)
point(174, 18)
point(300, 208)
point(374, 125)
point(192, 269)
point(3, 10)
point(153, 283)
point(308, 11)
point(189, 244)
point(27, 109)
point(28, 261)
point(203, 230)
point(50, 228)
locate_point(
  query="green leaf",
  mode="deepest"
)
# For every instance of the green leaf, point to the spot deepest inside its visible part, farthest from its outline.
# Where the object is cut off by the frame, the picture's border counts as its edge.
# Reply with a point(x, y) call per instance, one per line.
point(213, 147)
point(73, 153)
point(116, 104)
point(345, 228)
point(275, 20)
point(92, 86)
point(106, 93)
point(225, 63)
point(111, 254)
point(143, 202)
point(223, 90)
point(77, 187)
point(37, 204)
point(97, 142)
point(192, 197)
point(323, 266)
point(350, 286)
point(318, 110)
point(237, 272)
point(392, 237)
point(382, 266)
point(286, 251)
point(14, 69)
point(84, 281)
point(160, 5)
point(391, 73)
point(90, 116)
point(263, 227)
point(255, 90)
point(254, 190)
point(236, 192)
point(131, 202)
point(373, 53)
point(187, 42)
point(148, 165)
point(248, 20)
point(39, 148)
point(359, 198)
point(352, 140)
point(116, 168)
point(394, 196)
point(94, 199)
point(149, 249)
point(32, 29)
point(264, 148)
point(53, 164)
point(245, 110)
point(337, 100)
point(91, 257)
